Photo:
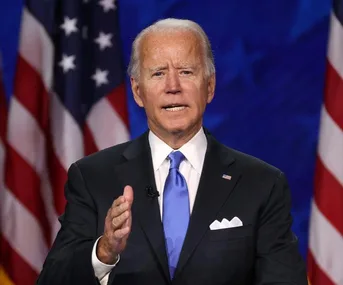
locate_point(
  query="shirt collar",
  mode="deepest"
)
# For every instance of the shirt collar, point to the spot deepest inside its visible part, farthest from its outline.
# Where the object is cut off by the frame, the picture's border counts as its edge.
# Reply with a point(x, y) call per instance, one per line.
point(194, 150)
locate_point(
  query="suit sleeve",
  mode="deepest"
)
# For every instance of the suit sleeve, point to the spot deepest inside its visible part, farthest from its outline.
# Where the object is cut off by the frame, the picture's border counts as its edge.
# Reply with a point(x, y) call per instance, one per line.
point(278, 257)
point(69, 260)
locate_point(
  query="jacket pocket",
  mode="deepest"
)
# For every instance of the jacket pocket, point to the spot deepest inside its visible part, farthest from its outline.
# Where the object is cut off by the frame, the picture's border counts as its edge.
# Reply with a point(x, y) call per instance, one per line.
point(231, 233)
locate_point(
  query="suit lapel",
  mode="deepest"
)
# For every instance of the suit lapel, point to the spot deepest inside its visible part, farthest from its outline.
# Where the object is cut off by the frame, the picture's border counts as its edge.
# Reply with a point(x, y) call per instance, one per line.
point(137, 171)
point(212, 193)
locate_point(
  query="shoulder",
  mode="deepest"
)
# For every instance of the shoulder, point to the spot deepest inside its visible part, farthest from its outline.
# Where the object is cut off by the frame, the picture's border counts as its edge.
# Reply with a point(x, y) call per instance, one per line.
point(249, 163)
point(258, 179)
point(112, 155)
point(108, 158)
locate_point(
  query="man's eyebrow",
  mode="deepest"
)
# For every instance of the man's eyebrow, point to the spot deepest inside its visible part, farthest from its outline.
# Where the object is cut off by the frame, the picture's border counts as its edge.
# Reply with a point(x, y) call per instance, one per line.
point(158, 68)
point(187, 66)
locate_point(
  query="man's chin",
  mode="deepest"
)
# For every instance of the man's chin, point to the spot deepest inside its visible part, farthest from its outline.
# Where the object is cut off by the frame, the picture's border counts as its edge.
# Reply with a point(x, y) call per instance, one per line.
point(177, 130)
point(180, 131)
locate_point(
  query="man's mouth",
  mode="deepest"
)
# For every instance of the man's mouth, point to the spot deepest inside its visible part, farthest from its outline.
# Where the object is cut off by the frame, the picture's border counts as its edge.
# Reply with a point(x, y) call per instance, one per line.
point(174, 108)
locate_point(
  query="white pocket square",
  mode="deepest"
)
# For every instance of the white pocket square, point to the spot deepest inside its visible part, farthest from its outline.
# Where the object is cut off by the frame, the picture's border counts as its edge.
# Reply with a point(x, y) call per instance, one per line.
point(225, 224)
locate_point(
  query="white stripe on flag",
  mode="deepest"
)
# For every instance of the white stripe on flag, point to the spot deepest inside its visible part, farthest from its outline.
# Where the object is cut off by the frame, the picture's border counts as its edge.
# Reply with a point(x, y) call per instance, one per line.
point(107, 127)
point(2, 168)
point(23, 233)
point(331, 145)
point(66, 134)
point(326, 245)
point(25, 136)
point(335, 49)
point(36, 47)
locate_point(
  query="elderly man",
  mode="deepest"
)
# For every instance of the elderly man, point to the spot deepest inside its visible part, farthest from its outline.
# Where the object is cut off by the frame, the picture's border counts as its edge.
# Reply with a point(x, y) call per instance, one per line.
point(174, 206)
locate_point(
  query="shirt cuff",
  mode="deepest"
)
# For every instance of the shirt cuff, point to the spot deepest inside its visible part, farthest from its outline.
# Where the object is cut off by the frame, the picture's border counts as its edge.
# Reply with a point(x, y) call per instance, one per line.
point(101, 269)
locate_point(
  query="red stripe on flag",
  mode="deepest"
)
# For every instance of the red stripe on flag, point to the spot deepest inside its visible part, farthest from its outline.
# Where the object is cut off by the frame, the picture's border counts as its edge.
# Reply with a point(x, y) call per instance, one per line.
point(3, 111)
point(334, 95)
point(16, 268)
point(315, 274)
point(31, 93)
point(117, 98)
point(25, 184)
point(328, 195)
point(89, 143)
point(58, 177)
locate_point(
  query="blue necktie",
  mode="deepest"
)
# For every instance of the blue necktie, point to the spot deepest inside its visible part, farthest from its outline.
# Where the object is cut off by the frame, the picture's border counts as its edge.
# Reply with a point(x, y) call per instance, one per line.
point(175, 210)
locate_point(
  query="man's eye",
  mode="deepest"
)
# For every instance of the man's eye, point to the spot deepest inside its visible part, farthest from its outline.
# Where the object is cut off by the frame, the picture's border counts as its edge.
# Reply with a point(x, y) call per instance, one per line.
point(186, 72)
point(157, 74)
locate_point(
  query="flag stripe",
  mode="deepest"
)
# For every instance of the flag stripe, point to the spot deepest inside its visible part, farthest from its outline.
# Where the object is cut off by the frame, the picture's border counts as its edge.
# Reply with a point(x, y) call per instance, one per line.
point(90, 146)
point(326, 226)
point(32, 247)
point(3, 112)
point(58, 176)
point(105, 134)
point(25, 137)
point(51, 203)
point(26, 153)
point(2, 162)
point(316, 274)
point(66, 134)
point(334, 94)
point(20, 176)
point(36, 48)
point(331, 145)
point(21, 273)
point(25, 133)
point(31, 93)
point(326, 245)
point(3, 123)
point(335, 55)
point(329, 196)
point(117, 98)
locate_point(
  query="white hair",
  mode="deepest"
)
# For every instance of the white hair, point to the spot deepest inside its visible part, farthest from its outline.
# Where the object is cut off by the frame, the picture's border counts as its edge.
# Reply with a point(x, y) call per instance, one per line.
point(171, 25)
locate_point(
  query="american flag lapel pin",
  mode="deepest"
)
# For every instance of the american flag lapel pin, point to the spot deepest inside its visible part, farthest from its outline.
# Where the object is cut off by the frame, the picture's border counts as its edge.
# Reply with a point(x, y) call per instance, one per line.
point(227, 177)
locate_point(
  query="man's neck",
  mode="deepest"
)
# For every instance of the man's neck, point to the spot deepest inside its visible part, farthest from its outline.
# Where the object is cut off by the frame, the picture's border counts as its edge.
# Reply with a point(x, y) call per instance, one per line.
point(177, 140)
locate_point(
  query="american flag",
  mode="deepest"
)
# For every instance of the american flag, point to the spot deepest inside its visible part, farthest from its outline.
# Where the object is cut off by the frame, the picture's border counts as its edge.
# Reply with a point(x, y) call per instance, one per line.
point(325, 260)
point(69, 100)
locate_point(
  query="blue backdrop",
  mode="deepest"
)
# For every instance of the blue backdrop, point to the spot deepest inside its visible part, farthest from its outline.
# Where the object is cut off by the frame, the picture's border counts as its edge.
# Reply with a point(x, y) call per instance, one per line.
point(270, 60)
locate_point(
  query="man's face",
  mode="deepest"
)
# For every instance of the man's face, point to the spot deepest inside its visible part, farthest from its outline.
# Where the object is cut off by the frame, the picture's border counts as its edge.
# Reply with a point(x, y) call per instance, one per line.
point(173, 87)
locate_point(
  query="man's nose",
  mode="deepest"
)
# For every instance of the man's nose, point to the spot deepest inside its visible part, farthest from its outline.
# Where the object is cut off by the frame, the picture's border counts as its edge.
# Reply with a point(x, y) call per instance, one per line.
point(173, 84)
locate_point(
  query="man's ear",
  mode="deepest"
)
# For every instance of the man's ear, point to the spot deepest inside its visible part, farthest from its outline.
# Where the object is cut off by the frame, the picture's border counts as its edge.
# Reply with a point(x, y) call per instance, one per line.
point(211, 85)
point(136, 92)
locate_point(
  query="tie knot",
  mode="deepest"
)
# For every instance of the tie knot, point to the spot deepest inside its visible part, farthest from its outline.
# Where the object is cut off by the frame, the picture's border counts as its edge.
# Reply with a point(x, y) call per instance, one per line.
point(175, 159)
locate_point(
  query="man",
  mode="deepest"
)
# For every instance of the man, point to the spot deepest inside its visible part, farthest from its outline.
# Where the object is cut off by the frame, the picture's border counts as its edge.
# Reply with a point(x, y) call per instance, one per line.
point(174, 206)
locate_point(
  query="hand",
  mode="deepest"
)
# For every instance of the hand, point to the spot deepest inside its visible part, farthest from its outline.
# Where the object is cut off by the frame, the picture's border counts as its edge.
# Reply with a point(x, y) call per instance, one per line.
point(117, 228)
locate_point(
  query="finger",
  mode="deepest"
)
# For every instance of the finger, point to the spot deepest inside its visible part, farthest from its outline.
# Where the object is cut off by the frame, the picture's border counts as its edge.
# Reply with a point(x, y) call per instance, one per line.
point(128, 193)
point(117, 211)
point(121, 233)
point(128, 221)
point(118, 222)
point(118, 201)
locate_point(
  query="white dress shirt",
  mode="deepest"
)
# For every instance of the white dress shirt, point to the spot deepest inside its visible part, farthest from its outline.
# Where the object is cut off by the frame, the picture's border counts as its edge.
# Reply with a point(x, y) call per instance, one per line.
point(191, 167)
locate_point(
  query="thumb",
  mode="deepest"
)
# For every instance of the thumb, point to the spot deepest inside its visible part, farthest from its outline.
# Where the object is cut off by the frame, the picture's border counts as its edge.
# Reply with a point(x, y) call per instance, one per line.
point(128, 193)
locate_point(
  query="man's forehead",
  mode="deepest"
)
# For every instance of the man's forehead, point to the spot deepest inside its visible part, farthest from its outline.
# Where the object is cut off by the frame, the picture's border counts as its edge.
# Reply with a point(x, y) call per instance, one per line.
point(155, 38)
point(174, 43)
